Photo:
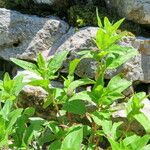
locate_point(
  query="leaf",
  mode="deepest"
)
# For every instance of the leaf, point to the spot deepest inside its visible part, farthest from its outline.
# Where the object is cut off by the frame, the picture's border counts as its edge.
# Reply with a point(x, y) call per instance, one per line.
point(79, 83)
point(110, 129)
point(56, 62)
point(144, 121)
point(7, 82)
point(119, 60)
point(114, 145)
point(29, 111)
point(118, 84)
point(136, 142)
point(17, 85)
point(42, 83)
point(117, 25)
point(107, 24)
point(72, 66)
point(134, 104)
point(26, 65)
point(129, 140)
point(98, 19)
point(140, 142)
point(56, 145)
point(73, 140)
point(50, 98)
point(41, 61)
point(6, 109)
point(35, 126)
point(75, 107)
point(13, 116)
point(101, 38)
point(2, 129)
point(114, 91)
point(81, 96)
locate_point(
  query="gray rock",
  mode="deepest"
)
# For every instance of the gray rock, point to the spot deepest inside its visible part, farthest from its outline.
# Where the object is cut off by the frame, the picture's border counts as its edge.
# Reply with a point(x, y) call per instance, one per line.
point(55, 5)
point(23, 36)
point(49, 2)
point(135, 10)
point(135, 69)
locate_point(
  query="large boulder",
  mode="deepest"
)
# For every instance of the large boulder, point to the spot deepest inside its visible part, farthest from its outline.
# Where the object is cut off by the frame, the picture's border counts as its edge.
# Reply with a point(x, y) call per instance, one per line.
point(76, 40)
point(135, 10)
point(24, 35)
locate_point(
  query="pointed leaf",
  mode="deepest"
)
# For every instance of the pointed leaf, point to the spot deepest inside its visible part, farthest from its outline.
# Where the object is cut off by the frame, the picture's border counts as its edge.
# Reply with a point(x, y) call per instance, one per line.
point(56, 62)
point(73, 140)
point(25, 65)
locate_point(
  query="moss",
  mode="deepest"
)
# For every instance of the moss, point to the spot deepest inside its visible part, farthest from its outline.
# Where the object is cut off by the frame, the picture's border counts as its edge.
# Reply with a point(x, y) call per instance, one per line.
point(14, 3)
point(82, 15)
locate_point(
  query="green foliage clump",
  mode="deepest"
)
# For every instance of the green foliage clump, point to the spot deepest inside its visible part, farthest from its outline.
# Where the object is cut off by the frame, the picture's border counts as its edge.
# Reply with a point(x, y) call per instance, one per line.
point(82, 15)
point(74, 127)
point(14, 3)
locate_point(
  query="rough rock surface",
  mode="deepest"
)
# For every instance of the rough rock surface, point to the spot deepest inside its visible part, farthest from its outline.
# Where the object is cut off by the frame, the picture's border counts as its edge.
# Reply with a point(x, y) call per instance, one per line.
point(24, 35)
point(135, 69)
point(136, 10)
point(49, 2)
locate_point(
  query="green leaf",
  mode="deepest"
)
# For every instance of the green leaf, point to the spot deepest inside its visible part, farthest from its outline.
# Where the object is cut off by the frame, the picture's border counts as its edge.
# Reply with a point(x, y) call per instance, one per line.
point(81, 96)
point(134, 104)
point(56, 62)
point(26, 65)
point(7, 82)
point(98, 19)
point(128, 53)
point(144, 121)
point(13, 116)
point(42, 83)
point(73, 140)
point(41, 61)
point(75, 107)
point(35, 126)
point(110, 129)
point(140, 142)
point(121, 85)
point(56, 145)
point(114, 91)
point(50, 98)
point(17, 85)
point(117, 25)
point(79, 83)
point(73, 65)
point(6, 109)
point(2, 129)
point(107, 24)
point(129, 140)
point(29, 111)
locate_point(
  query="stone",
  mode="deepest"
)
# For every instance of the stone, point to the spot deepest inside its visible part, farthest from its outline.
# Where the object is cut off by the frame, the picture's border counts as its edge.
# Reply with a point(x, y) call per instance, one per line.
point(135, 69)
point(135, 10)
point(23, 36)
point(49, 2)
point(56, 5)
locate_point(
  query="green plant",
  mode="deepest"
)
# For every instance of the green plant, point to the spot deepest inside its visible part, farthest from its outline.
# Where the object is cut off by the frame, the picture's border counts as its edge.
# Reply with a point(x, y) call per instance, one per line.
point(74, 127)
